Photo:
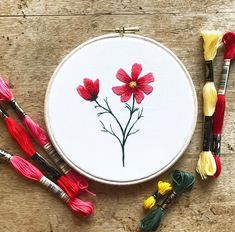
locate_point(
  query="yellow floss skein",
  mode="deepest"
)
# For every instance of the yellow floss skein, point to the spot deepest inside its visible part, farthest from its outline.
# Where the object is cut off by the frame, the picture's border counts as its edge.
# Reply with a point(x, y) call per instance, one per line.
point(149, 202)
point(162, 189)
point(206, 165)
point(209, 98)
point(212, 40)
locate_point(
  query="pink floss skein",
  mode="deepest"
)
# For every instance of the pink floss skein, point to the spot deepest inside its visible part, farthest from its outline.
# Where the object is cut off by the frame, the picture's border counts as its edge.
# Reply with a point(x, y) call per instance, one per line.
point(29, 171)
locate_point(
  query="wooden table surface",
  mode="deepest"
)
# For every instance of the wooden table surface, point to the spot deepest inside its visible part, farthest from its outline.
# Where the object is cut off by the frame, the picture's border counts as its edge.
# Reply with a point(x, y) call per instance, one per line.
point(36, 34)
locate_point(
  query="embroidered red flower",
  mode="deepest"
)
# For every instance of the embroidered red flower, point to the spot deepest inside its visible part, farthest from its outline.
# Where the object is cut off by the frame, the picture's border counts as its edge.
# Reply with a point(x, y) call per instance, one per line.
point(134, 85)
point(90, 90)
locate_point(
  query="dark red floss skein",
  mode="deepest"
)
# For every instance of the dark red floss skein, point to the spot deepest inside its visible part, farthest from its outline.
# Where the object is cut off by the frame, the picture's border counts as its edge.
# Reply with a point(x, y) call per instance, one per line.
point(218, 165)
point(217, 126)
point(229, 43)
point(218, 117)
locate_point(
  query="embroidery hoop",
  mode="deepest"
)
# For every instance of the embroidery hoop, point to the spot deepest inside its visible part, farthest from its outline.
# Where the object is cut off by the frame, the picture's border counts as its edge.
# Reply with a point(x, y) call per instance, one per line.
point(50, 120)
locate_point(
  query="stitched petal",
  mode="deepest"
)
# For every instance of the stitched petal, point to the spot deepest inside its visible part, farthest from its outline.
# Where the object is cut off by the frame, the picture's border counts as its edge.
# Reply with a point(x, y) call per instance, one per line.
point(139, 96)
point(89, 86)
point(96, 87)
point(119, 90)
point(148, 78)
point(147, 89)
point(136, 70)
point(123, 76)
point(83, 92)
point(126, 96)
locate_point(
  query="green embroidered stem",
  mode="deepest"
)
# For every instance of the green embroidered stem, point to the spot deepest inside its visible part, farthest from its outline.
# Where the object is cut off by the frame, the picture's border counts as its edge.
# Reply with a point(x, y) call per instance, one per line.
point(108, 111)
point(131, 113)
point(123, 154)
point(126, 132)
point(140, 115)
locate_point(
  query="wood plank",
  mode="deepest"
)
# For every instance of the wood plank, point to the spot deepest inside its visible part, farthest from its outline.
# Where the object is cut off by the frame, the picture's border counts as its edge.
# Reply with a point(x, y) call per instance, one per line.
point(141, 7)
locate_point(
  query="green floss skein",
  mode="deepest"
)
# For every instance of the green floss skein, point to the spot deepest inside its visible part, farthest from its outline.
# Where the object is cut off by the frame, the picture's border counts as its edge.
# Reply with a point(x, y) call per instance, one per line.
point(152, 220)
point(182, 182)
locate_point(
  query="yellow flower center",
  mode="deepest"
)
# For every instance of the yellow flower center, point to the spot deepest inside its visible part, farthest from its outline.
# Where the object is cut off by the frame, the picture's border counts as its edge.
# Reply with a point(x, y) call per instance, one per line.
point(133, 84)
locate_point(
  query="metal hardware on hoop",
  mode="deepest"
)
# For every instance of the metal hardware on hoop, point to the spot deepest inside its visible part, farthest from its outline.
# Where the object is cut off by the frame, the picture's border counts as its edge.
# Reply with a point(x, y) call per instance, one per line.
point(123, 30)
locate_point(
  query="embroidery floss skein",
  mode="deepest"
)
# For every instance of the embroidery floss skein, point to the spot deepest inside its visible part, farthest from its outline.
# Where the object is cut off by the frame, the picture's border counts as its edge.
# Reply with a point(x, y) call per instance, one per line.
point(182, 182)
point(218, 118)
point(41, 137)
point(162, 189)
point(206, 165)
point(29, 171)
point(21, 137)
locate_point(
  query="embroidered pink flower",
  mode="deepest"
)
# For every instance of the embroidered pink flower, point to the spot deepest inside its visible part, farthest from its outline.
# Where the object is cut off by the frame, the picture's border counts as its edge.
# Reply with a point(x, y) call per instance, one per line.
point(134, 85)
point(90, 90)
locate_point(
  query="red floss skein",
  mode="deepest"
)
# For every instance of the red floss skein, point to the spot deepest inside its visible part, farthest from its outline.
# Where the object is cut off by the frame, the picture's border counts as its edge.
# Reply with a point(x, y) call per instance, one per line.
point(21, 137)
point(217, 127)
point(80, 180)
point(229, 43)
point(218, 117)
point(29, 171)
point(218, 165)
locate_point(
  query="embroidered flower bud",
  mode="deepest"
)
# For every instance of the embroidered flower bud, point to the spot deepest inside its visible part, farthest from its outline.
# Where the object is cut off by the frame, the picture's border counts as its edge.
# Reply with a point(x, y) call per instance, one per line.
point(90, 90)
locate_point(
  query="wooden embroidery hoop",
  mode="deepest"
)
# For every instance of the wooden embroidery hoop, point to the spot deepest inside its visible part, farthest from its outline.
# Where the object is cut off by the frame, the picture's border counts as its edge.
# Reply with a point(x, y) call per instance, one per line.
point(120, 32)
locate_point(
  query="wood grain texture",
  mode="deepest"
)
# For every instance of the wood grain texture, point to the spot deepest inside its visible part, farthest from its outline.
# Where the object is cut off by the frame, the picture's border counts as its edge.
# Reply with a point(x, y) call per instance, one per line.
point(36, 34)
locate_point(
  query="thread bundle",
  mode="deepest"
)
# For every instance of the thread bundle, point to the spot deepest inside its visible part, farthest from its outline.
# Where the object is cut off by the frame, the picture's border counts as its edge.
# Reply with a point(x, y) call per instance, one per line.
point(181, 182)
point(41, 137)
point(218, 117)
point(162, 189)
point(22, 139)
point(29, 171)
point(206, 165)
point(214, 104)
point(70, 182)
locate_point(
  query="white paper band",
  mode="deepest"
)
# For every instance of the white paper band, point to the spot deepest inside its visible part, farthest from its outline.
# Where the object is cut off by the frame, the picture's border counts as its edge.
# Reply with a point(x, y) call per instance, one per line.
point(55, 157)
point(54, 188)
